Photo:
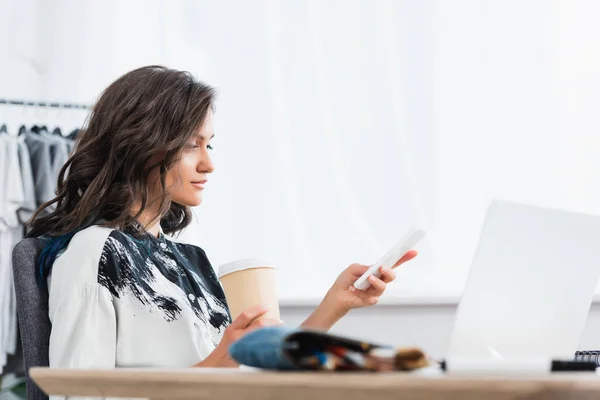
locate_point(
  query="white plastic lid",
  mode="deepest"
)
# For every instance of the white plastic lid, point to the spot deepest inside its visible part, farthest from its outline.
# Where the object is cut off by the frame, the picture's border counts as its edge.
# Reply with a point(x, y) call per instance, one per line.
point(242, 264)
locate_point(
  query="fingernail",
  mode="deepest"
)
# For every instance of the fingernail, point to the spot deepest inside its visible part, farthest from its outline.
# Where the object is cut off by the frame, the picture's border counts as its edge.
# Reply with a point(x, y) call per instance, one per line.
point(352, 289)
point(372, 278)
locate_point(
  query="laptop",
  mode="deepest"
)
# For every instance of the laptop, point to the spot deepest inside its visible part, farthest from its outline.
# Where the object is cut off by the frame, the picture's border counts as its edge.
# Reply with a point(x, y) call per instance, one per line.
point(530, 286)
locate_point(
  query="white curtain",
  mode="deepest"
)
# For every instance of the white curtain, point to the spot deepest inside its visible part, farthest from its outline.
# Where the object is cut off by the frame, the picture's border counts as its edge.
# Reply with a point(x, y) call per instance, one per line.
point(342, 123)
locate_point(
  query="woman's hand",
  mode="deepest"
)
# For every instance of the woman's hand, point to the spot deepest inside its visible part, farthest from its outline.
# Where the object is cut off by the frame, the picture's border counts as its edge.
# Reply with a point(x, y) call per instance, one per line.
point(246, 322)
point(348, 297)
point(343, 296)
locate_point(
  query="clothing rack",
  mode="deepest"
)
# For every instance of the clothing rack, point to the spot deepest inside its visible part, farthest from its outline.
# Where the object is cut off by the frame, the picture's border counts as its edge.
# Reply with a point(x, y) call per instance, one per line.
point(44, 104)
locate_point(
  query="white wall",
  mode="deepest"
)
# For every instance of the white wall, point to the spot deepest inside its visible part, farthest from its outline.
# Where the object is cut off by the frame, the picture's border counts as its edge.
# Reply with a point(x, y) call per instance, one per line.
point(342, 123)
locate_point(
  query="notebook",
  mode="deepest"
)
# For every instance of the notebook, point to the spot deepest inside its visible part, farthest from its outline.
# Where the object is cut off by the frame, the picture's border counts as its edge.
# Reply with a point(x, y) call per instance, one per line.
point(530, 285)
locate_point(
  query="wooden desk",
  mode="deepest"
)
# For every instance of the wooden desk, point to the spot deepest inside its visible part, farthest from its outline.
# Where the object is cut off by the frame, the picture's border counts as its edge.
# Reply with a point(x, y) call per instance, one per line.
point(250, 385)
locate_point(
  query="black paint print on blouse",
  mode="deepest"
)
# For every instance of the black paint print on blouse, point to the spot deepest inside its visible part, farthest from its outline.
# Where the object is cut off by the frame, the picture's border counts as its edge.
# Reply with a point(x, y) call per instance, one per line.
point(203, 282)
point(132, 265)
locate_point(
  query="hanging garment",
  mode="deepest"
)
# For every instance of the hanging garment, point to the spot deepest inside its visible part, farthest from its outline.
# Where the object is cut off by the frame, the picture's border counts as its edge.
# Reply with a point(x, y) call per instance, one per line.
point(29, 204)
point(59, 154)
point(41, 166)
point(11, 231)
point(3, 253)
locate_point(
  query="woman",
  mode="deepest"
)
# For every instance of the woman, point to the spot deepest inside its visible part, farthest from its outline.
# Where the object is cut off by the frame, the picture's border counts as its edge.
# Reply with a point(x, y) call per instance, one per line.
point(121, 293)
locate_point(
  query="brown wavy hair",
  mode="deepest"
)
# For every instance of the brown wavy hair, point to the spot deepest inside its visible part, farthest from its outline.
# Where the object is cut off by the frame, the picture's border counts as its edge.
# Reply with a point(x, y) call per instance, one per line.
point(147, 114)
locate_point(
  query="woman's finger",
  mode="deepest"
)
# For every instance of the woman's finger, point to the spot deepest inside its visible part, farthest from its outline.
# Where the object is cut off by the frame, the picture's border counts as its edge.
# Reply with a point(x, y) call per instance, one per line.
point(357, 269)
point(249, 315)
point(407, 257)
point(263, 322)
point(377, 286)
point(387, 274)
point(366, 296)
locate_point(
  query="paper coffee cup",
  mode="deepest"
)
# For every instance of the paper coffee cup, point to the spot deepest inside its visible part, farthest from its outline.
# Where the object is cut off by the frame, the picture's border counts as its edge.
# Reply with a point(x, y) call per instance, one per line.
point(250, 282)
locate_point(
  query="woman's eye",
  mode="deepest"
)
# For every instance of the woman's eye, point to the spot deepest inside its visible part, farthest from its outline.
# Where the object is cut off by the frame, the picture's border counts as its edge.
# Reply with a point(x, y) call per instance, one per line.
point(194, 146)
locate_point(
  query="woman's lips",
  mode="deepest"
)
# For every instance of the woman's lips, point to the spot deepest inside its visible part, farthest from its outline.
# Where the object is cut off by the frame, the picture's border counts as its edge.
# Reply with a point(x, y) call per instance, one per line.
point(199, 184)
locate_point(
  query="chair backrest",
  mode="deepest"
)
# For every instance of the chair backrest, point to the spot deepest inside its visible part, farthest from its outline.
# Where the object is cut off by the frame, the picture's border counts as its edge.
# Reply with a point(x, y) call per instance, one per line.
point(32, 310)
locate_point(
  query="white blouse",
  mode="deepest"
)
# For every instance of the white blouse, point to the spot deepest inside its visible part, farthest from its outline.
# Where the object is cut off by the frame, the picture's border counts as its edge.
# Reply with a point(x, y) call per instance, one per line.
point(117, 300)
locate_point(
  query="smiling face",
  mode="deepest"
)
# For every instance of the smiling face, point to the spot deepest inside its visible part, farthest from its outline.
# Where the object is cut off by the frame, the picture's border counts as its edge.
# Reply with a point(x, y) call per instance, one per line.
point(187, 177)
